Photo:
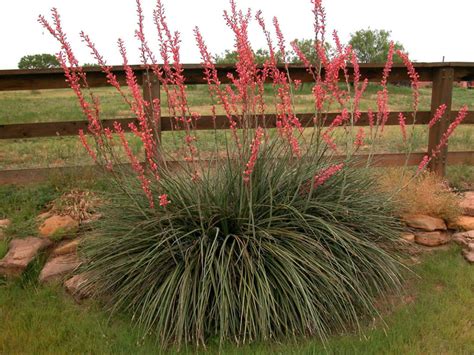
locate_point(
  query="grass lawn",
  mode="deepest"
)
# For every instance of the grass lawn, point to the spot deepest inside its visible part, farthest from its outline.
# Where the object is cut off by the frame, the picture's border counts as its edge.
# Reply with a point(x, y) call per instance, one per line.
point(434, 316)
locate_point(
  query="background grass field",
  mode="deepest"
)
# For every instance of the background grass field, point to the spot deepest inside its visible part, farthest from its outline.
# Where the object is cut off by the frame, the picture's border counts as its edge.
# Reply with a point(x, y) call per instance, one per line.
point(61, 105)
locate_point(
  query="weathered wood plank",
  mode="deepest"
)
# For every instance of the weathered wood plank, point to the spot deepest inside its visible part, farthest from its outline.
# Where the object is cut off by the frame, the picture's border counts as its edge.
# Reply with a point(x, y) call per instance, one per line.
point(151, 92)
point(442, 94)
point(68, 128)
point(54, 78)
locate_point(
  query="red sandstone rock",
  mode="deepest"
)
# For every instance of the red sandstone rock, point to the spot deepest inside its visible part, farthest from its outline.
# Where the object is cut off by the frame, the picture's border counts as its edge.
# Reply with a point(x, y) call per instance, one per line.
point(467, 203)
point(465, 223)
point(58, 267)
point(74, 286)
point(57, 224)
point(67, 247)
point(408, 237)
point(431, 239)
point(21, 252)
point(426, 223)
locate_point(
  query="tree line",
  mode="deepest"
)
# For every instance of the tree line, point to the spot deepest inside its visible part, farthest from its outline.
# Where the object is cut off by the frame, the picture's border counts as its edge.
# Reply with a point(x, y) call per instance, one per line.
point(370, 46)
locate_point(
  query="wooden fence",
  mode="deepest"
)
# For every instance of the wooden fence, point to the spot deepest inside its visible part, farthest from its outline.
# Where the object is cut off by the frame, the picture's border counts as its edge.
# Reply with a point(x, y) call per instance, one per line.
point(442, 76)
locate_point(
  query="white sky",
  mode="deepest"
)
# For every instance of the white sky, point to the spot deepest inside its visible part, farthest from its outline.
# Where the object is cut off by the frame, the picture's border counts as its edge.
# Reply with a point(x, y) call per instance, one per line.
point(429, 29)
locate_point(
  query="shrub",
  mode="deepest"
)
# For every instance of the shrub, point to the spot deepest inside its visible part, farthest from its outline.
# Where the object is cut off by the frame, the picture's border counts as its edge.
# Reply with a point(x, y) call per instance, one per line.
point(268, 236)
point(245, 263)
point(425, 193)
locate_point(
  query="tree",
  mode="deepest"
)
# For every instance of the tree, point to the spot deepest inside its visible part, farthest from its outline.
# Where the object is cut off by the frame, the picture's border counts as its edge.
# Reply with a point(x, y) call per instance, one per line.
point(38, 61)
point(261, 55)
point(371, 46)
point(230, 57)
point(90, 65)
point(308, 48)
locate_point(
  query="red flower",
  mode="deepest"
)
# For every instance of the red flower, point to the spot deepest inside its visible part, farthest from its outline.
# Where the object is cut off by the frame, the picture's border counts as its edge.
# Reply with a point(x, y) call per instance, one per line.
point(438, 114)
point(164, 200)
point(403, 126)
point(325, 174)
point(254, 154)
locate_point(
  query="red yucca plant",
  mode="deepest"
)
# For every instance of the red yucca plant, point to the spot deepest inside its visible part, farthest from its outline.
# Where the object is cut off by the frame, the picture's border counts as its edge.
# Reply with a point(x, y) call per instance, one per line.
point(264, 236)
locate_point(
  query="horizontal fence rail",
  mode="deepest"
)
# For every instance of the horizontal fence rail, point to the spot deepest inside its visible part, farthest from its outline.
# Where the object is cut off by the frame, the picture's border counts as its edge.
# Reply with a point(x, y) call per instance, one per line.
point(54, 78)
point(442, 75)
point(71, 128)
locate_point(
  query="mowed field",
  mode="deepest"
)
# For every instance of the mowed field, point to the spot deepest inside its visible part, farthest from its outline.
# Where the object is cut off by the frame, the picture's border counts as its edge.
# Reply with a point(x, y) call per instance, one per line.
point(61, 105)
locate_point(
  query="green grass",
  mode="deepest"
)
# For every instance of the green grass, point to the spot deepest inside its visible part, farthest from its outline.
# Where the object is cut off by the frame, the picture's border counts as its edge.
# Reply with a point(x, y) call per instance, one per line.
point(461, 177)
point(434, 316)
point(61, 105)
point(3, 247)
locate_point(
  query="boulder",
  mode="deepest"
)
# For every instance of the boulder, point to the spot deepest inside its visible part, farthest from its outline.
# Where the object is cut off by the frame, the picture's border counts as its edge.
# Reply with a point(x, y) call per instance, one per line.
point(408, 237)
point(74, 287)
point(68, 247)
point(463, 238)
point(467, 203)
point(468, 255)
point(424, 222)
point(432, 239)
point(57, 225)
point(21, 252)
point(465, 223)
point(467, 235)
point(59, 266)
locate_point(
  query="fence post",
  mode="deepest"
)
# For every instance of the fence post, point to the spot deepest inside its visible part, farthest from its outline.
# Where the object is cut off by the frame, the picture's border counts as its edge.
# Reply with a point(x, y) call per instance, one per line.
point(442, 94)
point(151, 91)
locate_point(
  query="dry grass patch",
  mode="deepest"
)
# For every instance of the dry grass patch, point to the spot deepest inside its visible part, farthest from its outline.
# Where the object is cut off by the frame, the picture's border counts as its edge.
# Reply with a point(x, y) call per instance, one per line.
point(426, 193)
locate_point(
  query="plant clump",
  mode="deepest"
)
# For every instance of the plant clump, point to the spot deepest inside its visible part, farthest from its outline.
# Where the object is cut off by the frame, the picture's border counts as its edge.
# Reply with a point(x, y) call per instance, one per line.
point(281, 231)
point(81, 205)
point(425, 193)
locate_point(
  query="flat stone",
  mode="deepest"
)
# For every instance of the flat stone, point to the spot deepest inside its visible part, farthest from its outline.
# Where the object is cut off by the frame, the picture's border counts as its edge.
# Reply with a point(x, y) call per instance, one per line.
point(4, 223)
point(468, 255)
point(424, 222)
point(468, 235)
point(74, 286)
point(432, 239)
point(21, 252)
point(68, 247)
point(463, 238)
point(467, 203)
point(465, 223)
point(59, 267)
point(460, 241)
point(408, 237)
point(57, 224)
